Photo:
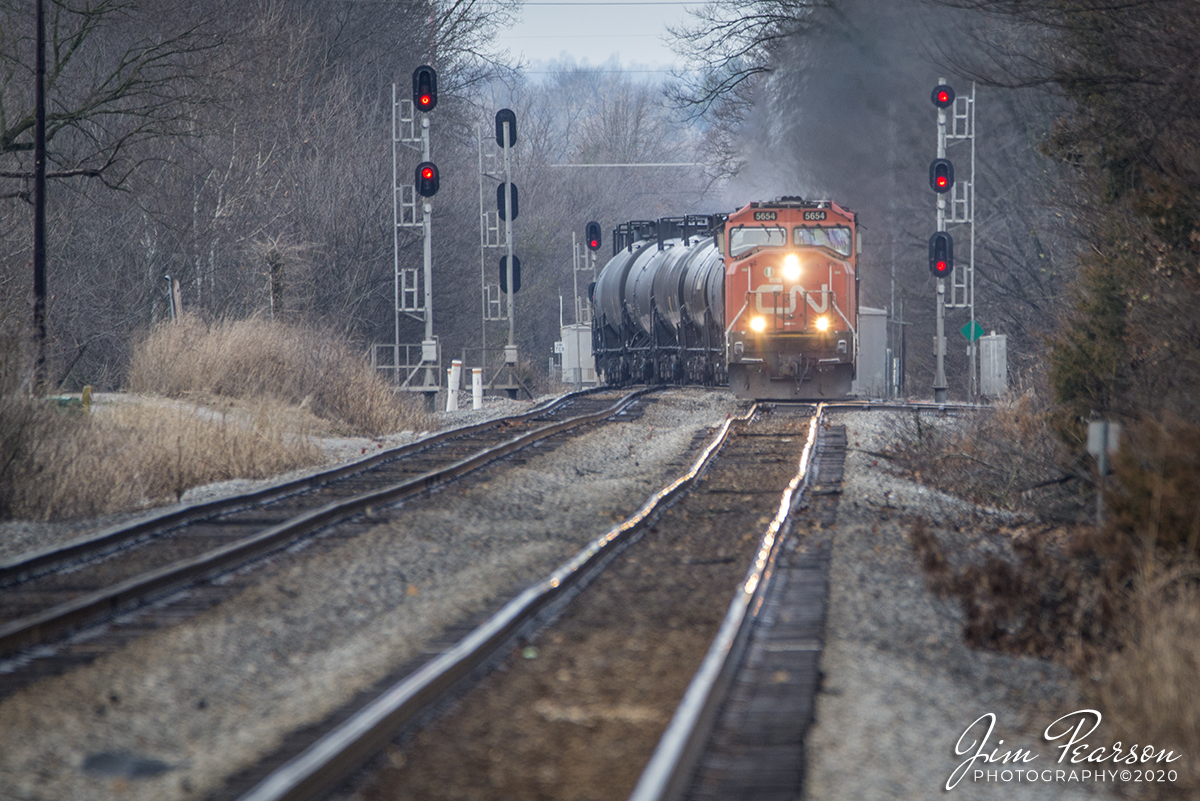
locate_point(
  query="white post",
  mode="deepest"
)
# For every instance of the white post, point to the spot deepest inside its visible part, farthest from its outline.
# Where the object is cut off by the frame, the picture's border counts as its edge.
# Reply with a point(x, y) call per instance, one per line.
point(455, 379)
point(476, 387)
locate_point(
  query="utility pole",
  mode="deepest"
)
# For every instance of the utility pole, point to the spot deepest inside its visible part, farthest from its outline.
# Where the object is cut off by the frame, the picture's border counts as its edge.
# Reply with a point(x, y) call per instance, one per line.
point(39, 204)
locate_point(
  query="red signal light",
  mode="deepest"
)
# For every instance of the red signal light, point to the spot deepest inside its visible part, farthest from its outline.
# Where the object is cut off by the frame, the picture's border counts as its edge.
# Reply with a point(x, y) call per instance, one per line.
point(943, 95)
point(424, 88)
point(941, 254)
point(592, 236)
point(941, 175)
point(427, 179)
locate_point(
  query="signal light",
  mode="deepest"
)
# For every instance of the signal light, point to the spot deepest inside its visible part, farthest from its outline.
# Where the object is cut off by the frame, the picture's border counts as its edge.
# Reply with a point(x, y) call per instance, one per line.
point(504, 274)
point(941, 175)
point(501, 204)
point(943, 95)
point(502, 116)
point(941, 254)
point(424, 88)
point(427, 179)
point(593, 236)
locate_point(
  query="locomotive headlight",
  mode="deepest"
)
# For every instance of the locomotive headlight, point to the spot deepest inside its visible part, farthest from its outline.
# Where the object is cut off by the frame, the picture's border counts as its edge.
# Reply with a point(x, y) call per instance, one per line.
point(758, 324)
point(791, 267)
point(823, 323)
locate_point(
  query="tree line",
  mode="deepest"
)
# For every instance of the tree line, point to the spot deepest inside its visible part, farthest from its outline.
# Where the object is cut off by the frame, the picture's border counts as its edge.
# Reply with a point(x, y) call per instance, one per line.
point(226, 143)
point(243, 150)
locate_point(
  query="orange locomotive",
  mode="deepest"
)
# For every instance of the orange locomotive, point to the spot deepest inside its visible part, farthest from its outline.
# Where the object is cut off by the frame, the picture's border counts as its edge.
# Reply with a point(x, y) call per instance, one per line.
point(791, 299)
point(764, 299)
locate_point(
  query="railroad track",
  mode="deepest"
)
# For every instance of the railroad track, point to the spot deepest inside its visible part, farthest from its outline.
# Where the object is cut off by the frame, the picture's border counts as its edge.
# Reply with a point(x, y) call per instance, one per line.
point(46, 596)
point(664, 597)
point(739, 731)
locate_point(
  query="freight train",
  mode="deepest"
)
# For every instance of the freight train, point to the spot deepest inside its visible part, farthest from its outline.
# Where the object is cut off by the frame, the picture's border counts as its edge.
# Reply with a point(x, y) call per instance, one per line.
point(764, 299)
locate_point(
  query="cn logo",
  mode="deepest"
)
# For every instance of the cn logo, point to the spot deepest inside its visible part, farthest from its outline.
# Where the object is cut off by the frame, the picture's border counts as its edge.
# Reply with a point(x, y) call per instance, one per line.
point(817, 301)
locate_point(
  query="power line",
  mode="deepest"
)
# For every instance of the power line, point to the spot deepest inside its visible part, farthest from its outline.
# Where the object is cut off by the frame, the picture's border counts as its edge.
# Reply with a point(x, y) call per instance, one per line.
point(642, 164)
point(590, 71)
point(587, 36)
point(619, 3)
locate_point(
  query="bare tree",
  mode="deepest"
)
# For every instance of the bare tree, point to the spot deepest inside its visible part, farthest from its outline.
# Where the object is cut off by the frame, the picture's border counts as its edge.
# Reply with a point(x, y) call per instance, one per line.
point(118, 72)
point(732, 43)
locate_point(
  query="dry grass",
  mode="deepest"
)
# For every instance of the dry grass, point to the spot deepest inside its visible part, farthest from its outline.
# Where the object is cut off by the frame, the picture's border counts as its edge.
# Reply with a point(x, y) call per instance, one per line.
point(58, 464)
point(128, 456)
point(1031, 593)
point(1119, 604)
point(1009, 458)
point(259, 359)
point(1148, 690)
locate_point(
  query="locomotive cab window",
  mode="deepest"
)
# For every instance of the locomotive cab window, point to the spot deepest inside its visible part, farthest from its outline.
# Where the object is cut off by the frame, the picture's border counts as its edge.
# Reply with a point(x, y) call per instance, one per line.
point(835, 238)
point(743, 240)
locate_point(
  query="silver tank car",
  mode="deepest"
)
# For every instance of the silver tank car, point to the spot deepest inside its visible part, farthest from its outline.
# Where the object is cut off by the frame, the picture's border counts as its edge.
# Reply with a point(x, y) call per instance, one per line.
point(659, 303)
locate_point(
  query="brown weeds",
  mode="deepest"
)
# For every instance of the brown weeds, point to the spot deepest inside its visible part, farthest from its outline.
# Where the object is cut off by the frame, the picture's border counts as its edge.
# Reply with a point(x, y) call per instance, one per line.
point(258, 359)
point(1120, 604)
point(1007, 457)
point(1147, 689)
point(127, 456)
point(57, 463)
point(1044, 600)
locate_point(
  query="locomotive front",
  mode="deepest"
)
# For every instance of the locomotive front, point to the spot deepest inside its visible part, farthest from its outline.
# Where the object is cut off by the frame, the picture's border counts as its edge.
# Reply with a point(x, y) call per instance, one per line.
point(791, 299)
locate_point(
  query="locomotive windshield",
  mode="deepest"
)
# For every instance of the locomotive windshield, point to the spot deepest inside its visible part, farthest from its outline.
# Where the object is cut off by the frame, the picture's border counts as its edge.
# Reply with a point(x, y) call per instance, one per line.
point(835, 238)
point(743, 240)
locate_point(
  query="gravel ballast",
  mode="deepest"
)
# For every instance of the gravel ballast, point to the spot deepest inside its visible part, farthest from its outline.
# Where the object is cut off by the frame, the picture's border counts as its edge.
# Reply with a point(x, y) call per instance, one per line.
point(173, 714)
point(176, 712)
point(900, 685)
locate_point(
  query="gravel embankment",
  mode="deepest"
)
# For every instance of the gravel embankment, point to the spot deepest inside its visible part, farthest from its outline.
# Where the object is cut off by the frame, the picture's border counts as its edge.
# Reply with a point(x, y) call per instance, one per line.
point(214, 694)
point(900, 686)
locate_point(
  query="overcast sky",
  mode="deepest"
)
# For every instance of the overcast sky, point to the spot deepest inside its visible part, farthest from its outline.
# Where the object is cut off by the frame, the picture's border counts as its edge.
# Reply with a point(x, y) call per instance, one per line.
point(596, 31)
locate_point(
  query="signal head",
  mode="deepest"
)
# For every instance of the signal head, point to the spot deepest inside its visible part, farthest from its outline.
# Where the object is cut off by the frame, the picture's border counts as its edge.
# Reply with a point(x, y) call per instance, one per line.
point(943, 95)
point(941, 175)
point(941, 254)
point(516, 271)
point(427, 179)
point(506, 115)
point(424, 88)
point(502, 203)
point(592, 237)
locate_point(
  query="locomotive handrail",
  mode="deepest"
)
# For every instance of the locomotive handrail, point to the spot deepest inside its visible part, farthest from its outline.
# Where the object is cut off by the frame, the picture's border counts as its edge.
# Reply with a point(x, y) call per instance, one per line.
point(736, 316)
point(842, 315)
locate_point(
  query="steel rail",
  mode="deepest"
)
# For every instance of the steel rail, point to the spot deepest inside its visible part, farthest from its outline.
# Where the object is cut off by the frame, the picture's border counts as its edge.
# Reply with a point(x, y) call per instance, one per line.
point(341, 751)
point(35, 629)
point(920, 406)
point(667, 774)
point(112, 538)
